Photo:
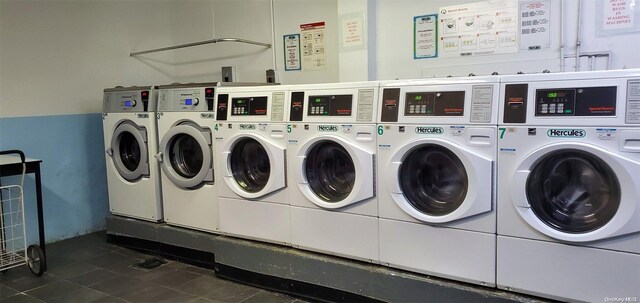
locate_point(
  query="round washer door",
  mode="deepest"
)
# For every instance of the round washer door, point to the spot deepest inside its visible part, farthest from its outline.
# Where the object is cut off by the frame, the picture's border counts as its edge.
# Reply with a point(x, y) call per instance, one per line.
point(333, 173)
point(187, 155)
point(254, 167)
point(576, 192)
point(437, 181)
point(129, 151)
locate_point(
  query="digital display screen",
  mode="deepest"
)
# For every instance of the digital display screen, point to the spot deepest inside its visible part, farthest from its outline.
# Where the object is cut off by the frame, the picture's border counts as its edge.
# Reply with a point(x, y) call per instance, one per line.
point(127, 103)
point(188, 101)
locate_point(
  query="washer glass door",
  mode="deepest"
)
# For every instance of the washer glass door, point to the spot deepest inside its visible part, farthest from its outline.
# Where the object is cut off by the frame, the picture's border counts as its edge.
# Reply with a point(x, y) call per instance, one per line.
point(250, 165)
point(129, 151)
point(330, 171)
point(433, 180)
point(187, 155)
point(573, 191)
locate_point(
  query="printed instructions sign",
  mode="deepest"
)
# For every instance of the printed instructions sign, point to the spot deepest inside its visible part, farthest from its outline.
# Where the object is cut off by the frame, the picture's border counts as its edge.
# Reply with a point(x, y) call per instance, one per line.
point(534, 25)
point(313, 46)
point(618, 14)
point(292, 52)
point(425, 36)
point(352, 31)
point(480, 28)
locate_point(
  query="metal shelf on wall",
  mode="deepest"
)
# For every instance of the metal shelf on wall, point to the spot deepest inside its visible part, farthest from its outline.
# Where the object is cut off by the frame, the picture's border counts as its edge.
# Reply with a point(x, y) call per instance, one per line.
point(212, 41)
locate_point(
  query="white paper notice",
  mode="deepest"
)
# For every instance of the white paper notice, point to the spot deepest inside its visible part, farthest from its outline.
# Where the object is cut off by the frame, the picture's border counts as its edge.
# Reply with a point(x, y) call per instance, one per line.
point(313, 46)
point(352, 31)
point(480, 28)
point(425, 36)
point(618, 14)
point(292, 52)
point(534, 25)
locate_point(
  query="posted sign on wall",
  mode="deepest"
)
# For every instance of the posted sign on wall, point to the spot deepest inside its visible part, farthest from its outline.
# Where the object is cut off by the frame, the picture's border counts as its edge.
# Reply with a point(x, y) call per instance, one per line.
point(480, 28)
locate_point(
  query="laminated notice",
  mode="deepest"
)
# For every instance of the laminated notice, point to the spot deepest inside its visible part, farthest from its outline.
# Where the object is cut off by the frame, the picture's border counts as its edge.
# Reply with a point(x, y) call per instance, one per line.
point(365, 105)
point(481, 103)
point(277, 107)
point(633, 101)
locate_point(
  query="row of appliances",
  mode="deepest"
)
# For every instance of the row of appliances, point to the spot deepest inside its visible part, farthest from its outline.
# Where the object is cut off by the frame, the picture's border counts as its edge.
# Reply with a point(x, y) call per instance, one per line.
point(528, 182)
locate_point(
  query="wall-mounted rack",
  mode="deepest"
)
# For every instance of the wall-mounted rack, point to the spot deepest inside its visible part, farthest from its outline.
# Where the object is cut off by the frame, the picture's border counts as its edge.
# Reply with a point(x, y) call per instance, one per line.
point(267, 45)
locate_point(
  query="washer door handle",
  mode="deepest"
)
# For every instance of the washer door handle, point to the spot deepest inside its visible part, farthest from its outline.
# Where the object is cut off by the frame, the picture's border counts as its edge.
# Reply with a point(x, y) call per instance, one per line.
point(158, 157)
point(109, 152)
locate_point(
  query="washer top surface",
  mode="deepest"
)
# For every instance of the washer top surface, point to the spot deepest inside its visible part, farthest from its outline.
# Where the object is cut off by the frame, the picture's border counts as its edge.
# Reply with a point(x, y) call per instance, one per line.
point(464, 100)
point(251, 104)
point(600, 98)
point(133, 99)
point(351, 102)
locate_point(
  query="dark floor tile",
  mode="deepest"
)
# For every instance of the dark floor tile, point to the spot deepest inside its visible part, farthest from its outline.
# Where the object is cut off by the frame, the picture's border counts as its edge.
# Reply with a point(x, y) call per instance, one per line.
point(82, 294)
point(26, 281)
point(178, 277)
point(93, 277)
point(159, 294)
point(127, 268)
point(269, 297)
point(109, 299)
point(148, 293)
point(132, 253)
point(120, 286)
point(71, 270)
point(176, 265)
point(155, 273)
point(6, 292)
point(52, 290)
point(107, 259)
point(21, 298)
point(200, 271)
point(201, 286)
point(231, 293)
point(201, 300)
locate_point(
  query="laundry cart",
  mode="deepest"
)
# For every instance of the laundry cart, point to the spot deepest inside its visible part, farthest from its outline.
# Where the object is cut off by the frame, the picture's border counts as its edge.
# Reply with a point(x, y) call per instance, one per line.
point(13, 241)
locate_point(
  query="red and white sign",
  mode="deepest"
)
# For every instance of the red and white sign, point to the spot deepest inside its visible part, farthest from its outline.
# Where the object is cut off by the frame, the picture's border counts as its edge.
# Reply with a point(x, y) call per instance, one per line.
point(618, 14)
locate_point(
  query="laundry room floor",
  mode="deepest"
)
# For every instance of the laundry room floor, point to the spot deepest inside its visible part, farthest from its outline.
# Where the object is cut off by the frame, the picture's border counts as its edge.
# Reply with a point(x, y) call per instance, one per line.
point(88, 269)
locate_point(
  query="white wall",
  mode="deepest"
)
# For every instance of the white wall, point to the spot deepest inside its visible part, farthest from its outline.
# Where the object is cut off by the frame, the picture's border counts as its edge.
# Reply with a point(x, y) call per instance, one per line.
point(288, 16)
point(394, 41)
point(56, 57)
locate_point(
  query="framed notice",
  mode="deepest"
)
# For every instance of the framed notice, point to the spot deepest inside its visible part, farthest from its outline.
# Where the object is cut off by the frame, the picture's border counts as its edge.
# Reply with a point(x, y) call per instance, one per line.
point(425, 36)
point(291, 52)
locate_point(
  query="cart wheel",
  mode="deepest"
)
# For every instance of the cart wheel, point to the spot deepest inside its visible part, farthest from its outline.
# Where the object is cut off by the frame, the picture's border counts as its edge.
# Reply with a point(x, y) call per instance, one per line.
point(35, 260)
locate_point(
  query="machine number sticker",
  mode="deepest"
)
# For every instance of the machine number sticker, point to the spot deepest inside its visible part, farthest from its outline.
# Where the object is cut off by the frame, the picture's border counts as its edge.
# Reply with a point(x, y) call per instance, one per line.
point(380, 130)
point(215, 127)
point(502, 130)
point(288, 128)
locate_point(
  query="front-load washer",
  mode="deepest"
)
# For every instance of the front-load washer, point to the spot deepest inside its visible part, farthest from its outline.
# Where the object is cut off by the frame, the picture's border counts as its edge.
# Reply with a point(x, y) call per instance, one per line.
point(436, 174)
point(331, 165)
point(569, 187)
point(185, 128)
point(131, 141)
point(250, 144)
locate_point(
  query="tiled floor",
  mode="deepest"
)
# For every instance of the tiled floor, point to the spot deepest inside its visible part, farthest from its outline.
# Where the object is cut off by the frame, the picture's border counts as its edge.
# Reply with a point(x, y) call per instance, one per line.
point(87, 269)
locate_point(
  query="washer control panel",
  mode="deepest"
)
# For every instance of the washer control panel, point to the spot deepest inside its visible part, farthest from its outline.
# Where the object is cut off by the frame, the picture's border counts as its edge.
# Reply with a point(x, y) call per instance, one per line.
point(127, 101)
point(330, 105)
point(249, 106)
point(186, 99)
point(585, 101)
point(434, 103)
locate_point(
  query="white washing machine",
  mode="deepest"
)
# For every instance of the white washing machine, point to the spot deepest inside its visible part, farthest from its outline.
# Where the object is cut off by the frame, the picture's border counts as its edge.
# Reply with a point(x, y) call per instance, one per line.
point(331, 165)
point(250, 146)
point(569, 185)
point(436, 175)
point(131, 141)
point(185, 128)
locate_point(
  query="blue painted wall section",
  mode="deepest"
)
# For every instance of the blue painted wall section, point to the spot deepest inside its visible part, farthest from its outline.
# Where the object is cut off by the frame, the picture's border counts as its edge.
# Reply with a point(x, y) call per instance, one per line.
point(74, 183)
